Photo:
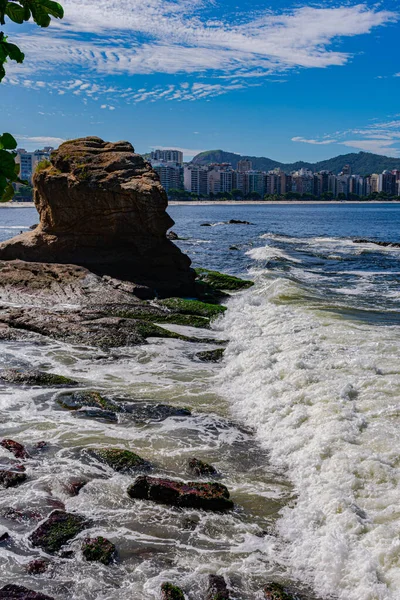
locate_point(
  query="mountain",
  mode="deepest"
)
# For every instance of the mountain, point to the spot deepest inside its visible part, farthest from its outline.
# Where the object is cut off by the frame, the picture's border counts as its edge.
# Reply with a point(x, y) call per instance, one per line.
point(362, 163)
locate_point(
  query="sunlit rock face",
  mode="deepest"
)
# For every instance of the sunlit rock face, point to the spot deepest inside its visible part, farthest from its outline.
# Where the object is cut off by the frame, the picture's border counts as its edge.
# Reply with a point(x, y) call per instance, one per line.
point(102, 206)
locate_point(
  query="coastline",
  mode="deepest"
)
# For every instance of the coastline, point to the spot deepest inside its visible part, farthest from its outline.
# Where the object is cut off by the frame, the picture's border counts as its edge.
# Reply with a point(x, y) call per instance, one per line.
point(234, 202)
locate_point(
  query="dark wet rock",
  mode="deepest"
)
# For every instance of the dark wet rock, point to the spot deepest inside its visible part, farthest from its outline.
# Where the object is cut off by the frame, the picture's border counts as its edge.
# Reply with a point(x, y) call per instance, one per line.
point(96, 413)
point(11, 478)
point(206, 496)
point(211, 355)
point(57, 530)
point(42, 445)
point(67, 554)
point(377, 243)
point(34, 377)
point(34, 226)
point(21, 516)
point(123, 461)
point(4, 537)
point(233, 248)
point(74, 486)
point(221, 282)
point(201, 469)
point(18, 592)
point(238, 222)
point(171, 235)
point(171, 592)
point(37, 566)
point(205, 225)
point(15, 447)
point(155, 412)
point(86, 398)
point(99, 549)
point(276, 591)
point(217, 588)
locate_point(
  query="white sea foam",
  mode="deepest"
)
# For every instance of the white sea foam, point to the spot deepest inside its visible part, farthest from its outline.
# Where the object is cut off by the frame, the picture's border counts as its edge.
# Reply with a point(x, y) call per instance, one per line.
point(322, 393)
point(270, 253)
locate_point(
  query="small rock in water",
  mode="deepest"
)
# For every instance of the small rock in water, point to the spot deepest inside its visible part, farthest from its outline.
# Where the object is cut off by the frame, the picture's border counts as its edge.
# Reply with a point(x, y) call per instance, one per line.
point(41, 445)
point(17, 449)
point(97, 413)
point(74, 487)
point(11, 478)
point(87, 398)
point(171, 592)
point(211, 355)
point(275, 591)
point(171, 235)
point(238, 222)
point(59, 528)
point(155, 412)
point(21, 516)
point(18, 592)
point(4, 537)
point(99, 549)
point(37, 566)
point(123, 461)
point(233, 248)
point(206, 496)
point(201, 469)
point(35, 377)
point(217, 588)
point(205, 224)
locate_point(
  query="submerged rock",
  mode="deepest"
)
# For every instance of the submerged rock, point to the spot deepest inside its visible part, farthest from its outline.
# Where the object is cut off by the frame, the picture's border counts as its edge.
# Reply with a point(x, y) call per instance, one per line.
point(275, 591)
point(35, 377)
point(171, 235)
point(99, 549)
point(123, 461)
point(74, 487)
point(57, 530)
point(21, 516)
point(11, 478)
point(171, 592)
point(211, 355)
point(116, 221)
point(220, 281)
point(206, 496)
point(217, 588)
point(377, 243)
point(37, 566)
point(201, 469)
point(141, 411)
point(4, 537)
point(238, 222)
point(15, 447)
point(193, 307)
point(96, 413)
point(18, 592)
point(87, 398)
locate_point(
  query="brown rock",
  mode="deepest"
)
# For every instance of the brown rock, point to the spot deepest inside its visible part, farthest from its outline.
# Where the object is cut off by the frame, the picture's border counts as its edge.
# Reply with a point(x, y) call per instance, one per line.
point(102, 206)
point(18, 592)
point(37, 566)
point(217, 588)
point(15, 447)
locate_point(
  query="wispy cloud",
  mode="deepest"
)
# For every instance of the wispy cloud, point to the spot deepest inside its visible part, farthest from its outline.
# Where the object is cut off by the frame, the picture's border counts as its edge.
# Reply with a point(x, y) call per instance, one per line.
point(172, 36)
point(34, 142)
point(317, 142)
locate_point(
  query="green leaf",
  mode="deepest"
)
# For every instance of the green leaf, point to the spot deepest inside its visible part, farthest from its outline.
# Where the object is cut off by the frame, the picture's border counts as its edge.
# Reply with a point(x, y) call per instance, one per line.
point(15, 12)
point(8, 142)
point(40, 14)
point(14, 52)
point(53, 8)
point(7, 164)
point(8, 193)
point(2, 72)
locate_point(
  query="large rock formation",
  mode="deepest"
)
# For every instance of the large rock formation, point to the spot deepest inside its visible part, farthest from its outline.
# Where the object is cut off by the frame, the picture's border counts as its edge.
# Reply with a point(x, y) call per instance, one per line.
point(102, 207)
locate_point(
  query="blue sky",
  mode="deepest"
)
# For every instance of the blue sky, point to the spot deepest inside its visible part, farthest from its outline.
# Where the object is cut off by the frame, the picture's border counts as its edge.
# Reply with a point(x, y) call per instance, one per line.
point(285, 80)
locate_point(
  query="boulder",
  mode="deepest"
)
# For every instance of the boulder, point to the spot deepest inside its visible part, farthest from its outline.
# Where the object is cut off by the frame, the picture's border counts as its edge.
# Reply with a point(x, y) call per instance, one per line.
point(211, 355)
point(37, 566)
point(217, 588)
point(10, 477)
point(35, 377)
point(15, 447)
point(206, 496)
point(171, 592)
point(57, 530)
point(99, 549)
point(18, 592)
point(101, 206)
point(123, 461)
point(201, 469)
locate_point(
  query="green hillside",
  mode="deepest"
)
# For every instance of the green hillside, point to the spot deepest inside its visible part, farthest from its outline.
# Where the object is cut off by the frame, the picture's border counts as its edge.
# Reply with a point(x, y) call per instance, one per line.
point(362, 163)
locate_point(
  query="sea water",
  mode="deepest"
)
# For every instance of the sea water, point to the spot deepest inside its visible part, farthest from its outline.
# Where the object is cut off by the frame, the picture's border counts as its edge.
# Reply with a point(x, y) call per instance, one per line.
point(302, 418)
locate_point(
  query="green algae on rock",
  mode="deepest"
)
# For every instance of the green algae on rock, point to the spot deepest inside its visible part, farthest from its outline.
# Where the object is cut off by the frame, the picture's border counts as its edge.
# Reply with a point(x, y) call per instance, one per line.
point(217, 588)
point(211, 355)
point(171, 592)
point(57, 530)
point(83, 398)
point(35, 377)
point(219, 281)
point(98, 549)
point(123, 461)
point(275, 591)
point(193, 307)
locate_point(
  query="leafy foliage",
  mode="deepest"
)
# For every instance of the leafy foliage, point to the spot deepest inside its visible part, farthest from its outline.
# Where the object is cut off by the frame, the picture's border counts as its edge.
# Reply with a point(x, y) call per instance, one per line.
point(19, 11)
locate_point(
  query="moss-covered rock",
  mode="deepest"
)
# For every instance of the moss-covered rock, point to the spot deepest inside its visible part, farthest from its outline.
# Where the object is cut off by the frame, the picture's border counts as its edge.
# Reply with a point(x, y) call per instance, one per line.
point(276, 591)
point(201, 469)
point(171, 592)
point(165, 316)
point(11, 477)
point(35, 377)
point(123, 461)
point(220, 281)
point(89, 398)
point(211, 355)
point(57, 530)
point(37, 566)
point(99, 549)
point(193, 307)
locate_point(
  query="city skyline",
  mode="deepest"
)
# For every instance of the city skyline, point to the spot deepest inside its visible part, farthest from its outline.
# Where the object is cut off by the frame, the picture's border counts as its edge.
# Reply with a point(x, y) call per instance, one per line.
point(295, 81)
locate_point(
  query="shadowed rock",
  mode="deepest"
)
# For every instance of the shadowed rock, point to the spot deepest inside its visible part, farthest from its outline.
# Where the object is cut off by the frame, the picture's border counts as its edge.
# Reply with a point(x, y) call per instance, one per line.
point(206, 496)
point(57, 530)
point(201, 469)
point(11, 478)
point(120, 460)
point(102, 206)
point(211, 355)
point(217, 588)
point(99, 549)
point(18, 592)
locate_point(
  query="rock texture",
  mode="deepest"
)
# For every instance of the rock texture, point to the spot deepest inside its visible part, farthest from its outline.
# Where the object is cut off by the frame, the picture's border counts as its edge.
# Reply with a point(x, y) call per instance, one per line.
point(102, 206)
point(57, 530)
point(18, 592)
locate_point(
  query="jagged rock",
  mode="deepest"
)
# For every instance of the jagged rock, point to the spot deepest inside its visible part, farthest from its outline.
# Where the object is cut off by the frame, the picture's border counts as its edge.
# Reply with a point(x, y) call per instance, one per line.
point(99, 549)
point(74, 487)
point(217, 588)
point(11, 478)
point(35, 377)
point(275, 591)
point(102, 206)
point(17, 449)
point(206, 496)
point(211, 355)
point(18, 592)
point(37, 566)
point(171, 592)
point(57, 530)
point(201, 469)
point(120, 460)
point(238, 222)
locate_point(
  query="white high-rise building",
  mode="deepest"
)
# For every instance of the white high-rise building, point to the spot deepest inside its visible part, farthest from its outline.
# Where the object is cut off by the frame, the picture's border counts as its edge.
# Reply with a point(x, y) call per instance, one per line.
point(172, 156)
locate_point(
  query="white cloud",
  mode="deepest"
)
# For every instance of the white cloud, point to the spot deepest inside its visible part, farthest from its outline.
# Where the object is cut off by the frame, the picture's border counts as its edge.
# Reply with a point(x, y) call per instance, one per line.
point(172, 36)
point(35, 142)
point(317, 142)
point(376, 146)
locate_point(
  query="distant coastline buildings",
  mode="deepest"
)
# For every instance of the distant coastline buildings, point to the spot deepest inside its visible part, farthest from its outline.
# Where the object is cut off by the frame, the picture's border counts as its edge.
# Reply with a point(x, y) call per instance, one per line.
point(222, 180)
point(28, 161)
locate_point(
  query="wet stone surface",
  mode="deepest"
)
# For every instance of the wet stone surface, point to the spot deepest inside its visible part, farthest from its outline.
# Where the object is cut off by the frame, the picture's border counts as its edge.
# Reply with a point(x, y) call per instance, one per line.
point(57, 530)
